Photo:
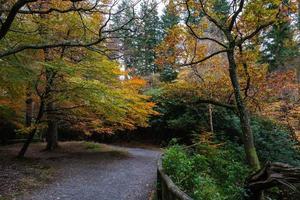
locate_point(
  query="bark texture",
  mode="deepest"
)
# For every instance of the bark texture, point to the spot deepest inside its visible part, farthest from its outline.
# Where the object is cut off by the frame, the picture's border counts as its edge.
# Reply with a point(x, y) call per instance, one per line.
point(272, 175)
point(29, 108)
point(51, 133)
point(248, 139)
point(33, 131)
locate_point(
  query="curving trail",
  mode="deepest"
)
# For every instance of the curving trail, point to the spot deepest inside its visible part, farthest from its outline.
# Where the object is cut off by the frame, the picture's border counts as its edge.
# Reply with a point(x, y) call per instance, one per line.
point(105, 176)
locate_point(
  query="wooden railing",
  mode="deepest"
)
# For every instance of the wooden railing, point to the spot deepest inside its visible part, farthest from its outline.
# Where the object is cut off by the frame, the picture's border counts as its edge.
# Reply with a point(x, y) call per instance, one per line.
point(166, 189)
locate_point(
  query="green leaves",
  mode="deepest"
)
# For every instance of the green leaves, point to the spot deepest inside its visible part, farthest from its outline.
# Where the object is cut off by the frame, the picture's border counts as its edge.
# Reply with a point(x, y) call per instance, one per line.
point(97, 97)
point(204, 175)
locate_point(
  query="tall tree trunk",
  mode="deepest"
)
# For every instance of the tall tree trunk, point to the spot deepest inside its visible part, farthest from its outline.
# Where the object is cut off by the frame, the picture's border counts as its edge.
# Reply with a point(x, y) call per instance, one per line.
point(299, 15)
point(26, 144)
point(29, 108)
point(248, 139)
point(298, 68)
point(51, 133)
point(211, 118)
point(33, 131)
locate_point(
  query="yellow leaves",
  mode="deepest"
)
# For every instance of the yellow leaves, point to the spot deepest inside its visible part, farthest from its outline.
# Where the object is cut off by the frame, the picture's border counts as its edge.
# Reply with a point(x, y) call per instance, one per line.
point(284, 112)
point(207, 138)
point(138, 108)
point(168, 50)
point(60, 22)
point(26, 130)
point(179, 46)
point(261, 12)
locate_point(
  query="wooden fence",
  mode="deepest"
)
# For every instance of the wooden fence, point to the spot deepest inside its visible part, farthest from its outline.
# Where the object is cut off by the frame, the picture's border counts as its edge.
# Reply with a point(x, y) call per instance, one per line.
point(166, 189)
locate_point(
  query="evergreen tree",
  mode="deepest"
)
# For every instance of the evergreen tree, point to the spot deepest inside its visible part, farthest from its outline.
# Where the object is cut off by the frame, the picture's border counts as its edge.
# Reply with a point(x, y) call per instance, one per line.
point(139, 38)
point(279, 45)
point(222, 7)
point(126, 37)
point(148, 38)
point(169, 18)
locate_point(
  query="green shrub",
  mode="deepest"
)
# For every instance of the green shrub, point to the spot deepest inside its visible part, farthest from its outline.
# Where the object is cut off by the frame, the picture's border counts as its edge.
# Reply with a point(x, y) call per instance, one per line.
point(179, 118)
point(182, 119)
point(274, 142)
point(206, 172)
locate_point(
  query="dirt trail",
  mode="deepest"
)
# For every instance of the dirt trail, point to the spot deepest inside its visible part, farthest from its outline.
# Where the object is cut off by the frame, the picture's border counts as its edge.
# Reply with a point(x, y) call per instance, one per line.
point(121, 174)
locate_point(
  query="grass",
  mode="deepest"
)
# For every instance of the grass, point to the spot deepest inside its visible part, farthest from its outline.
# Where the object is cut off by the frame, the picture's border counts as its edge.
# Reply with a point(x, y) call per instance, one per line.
point(153, 195)
point(93, 146)
point(102, 148)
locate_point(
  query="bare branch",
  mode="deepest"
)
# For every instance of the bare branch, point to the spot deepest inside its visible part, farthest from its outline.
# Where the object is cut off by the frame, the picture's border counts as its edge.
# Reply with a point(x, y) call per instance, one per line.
point(54, 45)
point(210, 18)
point(205, 58)
point(11, 16)
point(194, 33)
point(235, 15)
point(255, 32)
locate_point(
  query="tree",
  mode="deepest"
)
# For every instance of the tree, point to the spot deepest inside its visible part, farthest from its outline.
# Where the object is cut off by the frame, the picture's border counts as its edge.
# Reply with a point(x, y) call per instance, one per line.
point(169, 19)
point(126, 44)
point(89, 96)
point(148, 38)
point(13, 11)
point(61, 47)
point(239, 26)
point(279, 45)
point(139, 39)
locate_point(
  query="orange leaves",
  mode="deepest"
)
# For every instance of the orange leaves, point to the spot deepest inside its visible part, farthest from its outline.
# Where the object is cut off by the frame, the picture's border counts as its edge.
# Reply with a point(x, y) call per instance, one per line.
point(138, 106)
point(276, 95)
point(167, 51)
point(179, 47)
point(284, 112)
point(134, 83)
point(279, 85)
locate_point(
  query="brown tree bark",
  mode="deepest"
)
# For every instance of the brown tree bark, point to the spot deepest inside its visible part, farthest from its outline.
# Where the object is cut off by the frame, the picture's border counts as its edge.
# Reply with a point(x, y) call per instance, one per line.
point(210, 112)
point(248, 139)
point(29, 108)
point(297, 59)
point(279, 175)
point(33, 131)
point(51, 133)
point(26, 144)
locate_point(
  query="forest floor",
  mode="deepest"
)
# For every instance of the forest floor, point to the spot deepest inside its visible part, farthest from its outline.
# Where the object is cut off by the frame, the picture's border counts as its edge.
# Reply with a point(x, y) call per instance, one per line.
point(79, 170)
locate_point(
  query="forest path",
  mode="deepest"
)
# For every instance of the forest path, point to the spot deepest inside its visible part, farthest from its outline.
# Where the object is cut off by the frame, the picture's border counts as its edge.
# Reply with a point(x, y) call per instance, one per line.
point(120, 173)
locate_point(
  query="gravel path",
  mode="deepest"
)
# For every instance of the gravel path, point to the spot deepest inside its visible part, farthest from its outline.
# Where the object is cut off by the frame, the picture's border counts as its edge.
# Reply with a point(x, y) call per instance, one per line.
point(109, 176)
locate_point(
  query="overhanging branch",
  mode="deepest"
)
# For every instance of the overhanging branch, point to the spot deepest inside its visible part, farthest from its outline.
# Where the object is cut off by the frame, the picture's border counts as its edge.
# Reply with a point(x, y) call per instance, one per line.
point(11, 16)
point(54, 45)
point(194, 33)
point(205, 58)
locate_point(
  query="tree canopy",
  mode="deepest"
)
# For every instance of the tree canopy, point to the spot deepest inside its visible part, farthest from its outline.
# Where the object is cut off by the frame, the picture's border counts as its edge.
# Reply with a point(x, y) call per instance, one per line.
point(181, 67)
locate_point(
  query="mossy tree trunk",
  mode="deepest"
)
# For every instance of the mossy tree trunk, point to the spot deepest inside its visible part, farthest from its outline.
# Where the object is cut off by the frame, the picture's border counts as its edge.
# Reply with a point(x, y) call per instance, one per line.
point(29, 108)
point(247, 135)
point(51, 133)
